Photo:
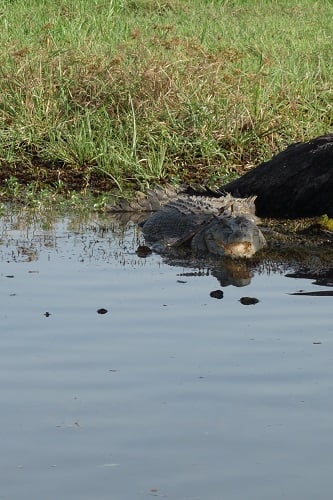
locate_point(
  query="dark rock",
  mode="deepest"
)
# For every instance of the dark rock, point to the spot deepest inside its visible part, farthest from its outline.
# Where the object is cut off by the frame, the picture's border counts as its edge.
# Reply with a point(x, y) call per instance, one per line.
point(298, 182)
point(143, 251)
point(216, 294)
point(102, 311)
point(248, 301)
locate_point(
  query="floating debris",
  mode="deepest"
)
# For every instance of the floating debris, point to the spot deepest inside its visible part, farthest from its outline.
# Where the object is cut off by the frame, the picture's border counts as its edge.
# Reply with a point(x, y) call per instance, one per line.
point(102, 311)
point(248, 301)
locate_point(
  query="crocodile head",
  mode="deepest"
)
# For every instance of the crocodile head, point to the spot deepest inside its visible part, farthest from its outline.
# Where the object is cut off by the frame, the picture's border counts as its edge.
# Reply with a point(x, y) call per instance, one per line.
point(232, 236)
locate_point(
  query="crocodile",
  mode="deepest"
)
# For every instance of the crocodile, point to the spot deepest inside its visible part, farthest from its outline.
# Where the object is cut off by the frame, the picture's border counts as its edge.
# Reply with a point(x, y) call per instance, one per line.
point(224, 226)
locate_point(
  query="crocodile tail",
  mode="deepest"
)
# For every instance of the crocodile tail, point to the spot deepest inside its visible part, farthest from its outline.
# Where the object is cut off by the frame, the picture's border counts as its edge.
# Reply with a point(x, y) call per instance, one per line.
point(150, 201)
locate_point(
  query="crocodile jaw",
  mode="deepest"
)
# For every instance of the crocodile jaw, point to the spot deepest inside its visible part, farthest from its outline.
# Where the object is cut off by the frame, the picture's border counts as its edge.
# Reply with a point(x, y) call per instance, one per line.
point(237, 249)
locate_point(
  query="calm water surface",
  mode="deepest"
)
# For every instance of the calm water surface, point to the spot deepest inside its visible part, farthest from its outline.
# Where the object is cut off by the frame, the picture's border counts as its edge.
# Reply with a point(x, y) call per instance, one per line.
point(170, 394)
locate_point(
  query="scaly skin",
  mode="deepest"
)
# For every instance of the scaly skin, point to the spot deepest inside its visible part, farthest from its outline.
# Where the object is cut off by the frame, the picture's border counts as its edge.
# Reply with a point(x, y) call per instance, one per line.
point(224, 226)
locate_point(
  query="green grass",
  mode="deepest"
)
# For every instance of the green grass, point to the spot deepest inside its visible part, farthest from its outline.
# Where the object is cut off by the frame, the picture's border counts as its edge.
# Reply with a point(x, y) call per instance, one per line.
point(140, 91)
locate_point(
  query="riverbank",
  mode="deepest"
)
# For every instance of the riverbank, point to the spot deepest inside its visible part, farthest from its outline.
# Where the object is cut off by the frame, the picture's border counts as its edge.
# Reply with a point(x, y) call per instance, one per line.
point(120, 95)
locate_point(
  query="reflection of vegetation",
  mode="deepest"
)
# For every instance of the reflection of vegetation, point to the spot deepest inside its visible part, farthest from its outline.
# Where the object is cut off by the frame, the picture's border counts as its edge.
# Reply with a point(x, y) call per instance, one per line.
point(26, 233)
point(100, 95)
point(293, 245)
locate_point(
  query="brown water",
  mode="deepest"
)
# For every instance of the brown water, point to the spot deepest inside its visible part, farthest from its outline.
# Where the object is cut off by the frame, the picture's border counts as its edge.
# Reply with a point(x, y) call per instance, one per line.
point(171, 393)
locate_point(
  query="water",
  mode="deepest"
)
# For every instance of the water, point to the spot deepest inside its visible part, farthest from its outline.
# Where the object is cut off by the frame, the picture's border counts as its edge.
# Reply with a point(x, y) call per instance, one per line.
point(171, 393)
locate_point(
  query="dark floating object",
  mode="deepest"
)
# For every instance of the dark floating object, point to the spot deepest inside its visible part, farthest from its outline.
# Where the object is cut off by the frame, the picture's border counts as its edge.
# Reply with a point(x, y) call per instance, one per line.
point(143, 251)
point(102, 311)
point(248, 301)
point(47, 314)
point(10, 276)
point(217, 294)
point(320, 293)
